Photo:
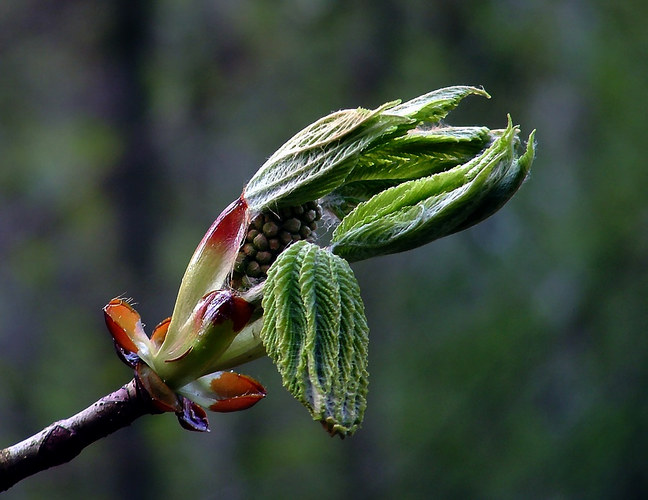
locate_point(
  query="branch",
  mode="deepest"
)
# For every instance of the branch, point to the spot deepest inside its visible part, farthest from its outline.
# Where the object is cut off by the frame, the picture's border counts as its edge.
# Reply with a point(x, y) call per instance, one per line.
point(61, 441)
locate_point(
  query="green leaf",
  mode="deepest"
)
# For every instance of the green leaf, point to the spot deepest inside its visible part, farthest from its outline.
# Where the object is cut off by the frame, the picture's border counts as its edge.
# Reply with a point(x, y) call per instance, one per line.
point(316, 160)
point(316, 333)
point(420, 153)
point(418, 211)
point(435, 105)
point(319, 159)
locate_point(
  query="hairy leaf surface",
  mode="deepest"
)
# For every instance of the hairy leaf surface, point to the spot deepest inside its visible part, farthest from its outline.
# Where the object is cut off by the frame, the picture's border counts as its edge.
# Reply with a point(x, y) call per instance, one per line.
point(319, 158)
point(421, 210)
point(316, 333)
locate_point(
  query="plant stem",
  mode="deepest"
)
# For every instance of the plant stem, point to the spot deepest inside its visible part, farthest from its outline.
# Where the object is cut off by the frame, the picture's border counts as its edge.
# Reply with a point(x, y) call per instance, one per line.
point(61, 441)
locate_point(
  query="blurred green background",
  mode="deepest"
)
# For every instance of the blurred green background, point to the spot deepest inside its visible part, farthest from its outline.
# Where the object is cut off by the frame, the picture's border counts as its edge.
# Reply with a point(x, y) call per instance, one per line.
point(508, 361)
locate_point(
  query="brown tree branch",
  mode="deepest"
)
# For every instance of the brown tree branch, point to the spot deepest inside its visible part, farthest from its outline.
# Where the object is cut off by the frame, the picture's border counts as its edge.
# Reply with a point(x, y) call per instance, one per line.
point(61, 441)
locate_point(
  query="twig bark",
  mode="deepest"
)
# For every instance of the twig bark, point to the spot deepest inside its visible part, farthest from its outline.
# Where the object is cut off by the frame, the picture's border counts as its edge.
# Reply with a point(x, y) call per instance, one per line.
point(61, 441)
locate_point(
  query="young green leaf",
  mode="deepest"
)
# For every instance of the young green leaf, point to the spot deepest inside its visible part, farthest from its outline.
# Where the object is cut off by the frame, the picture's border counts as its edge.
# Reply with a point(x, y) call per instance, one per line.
point(435, 105)
point(418, 211)
point(420, 153)
point(316, 160)
point(316, 333)
point(319, 159)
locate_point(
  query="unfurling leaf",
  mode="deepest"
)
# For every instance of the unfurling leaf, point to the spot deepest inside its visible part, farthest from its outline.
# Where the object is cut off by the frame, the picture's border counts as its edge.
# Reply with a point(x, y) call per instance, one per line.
point(420, 153)
point(415, 212)
point(316, 160)
point(316, 333)
point(319, 159)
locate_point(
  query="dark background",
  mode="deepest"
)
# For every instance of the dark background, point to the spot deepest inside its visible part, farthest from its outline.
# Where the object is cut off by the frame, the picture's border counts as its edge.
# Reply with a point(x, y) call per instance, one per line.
point(508, 361)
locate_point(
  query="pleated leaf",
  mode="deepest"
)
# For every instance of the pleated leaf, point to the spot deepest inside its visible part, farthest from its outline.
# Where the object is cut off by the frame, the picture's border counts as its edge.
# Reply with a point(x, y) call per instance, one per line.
point(319, 159)
point(420, 153)
point(316, 333)
point(435, 105)
point(416, 212)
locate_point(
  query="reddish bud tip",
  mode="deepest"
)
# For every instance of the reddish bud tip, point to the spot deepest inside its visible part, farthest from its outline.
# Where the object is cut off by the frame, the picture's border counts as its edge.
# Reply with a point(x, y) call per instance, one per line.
point(124, 324)
point(222, 305)
point(228, 229)
point(236, 404)
point(238, 392)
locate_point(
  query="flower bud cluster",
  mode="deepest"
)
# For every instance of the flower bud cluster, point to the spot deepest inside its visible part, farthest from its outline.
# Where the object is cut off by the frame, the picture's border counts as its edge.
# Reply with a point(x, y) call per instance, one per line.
point(269, 233)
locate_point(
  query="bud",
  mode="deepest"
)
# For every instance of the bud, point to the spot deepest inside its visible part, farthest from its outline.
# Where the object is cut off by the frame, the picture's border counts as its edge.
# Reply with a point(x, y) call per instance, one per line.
point(185, 355)
point(385, 180)
point(171, 376)
point(210, 264)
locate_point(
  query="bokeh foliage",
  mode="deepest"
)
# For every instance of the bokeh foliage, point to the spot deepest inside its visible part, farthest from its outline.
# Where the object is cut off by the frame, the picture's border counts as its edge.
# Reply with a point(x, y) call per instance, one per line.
point(507, 361)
